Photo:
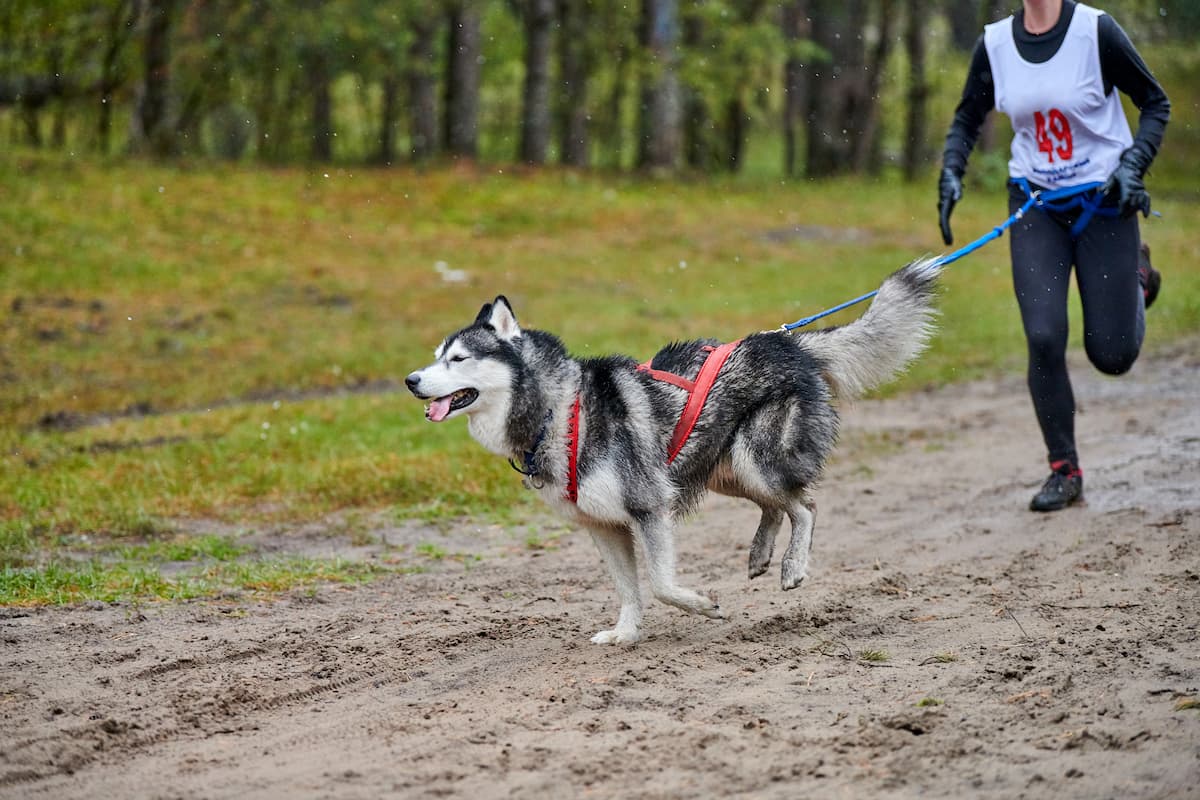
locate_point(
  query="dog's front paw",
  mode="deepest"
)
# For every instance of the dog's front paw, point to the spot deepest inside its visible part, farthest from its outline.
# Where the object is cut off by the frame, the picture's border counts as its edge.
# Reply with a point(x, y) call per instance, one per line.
point(792, 574)
point(712, 611)
point(617, 636)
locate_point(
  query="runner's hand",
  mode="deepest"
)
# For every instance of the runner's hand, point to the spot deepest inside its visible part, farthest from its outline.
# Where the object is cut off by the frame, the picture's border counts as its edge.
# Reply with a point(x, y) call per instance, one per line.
point(949, 193)
point(1126, 185)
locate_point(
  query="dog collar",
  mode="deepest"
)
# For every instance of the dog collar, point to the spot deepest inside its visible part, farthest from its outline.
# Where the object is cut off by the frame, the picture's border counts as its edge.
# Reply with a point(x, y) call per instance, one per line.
point(527, 467)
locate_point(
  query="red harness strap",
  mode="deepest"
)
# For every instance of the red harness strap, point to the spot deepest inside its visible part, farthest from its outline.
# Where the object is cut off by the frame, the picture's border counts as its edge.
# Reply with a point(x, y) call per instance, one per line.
point(572, 492)
point(697, 392)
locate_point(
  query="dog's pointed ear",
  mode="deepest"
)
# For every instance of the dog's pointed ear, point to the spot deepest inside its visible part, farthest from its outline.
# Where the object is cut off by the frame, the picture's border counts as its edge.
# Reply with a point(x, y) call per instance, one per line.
point(484, 314)
point(501, 317)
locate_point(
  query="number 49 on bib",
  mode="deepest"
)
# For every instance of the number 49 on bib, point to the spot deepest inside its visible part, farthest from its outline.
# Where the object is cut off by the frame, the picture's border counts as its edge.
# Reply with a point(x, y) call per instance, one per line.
point(1053, 134)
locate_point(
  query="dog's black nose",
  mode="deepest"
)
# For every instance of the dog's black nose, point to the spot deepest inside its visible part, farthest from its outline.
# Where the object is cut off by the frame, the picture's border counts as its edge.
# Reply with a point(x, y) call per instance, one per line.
point(411, 381)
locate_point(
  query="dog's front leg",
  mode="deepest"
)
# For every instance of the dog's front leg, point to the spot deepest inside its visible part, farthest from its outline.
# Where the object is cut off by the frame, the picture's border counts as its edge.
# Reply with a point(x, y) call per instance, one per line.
point(657, 534)
point(616, 546)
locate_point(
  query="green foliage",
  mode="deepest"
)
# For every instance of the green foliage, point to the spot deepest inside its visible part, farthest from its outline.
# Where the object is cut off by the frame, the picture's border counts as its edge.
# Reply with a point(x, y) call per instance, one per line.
point(242, 73)
point(60, 583)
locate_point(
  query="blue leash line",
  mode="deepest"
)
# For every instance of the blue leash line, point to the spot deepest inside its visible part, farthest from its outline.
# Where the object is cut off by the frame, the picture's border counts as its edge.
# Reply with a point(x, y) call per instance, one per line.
point(1048, 199)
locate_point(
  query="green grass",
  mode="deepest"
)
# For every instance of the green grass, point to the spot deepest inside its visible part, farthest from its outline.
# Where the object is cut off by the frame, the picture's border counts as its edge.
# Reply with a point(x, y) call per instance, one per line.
point(229, 343)
point(59, 582)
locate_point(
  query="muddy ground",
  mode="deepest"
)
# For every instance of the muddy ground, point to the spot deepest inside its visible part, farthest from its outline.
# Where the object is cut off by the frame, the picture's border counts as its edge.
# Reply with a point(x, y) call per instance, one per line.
point(1024, 655)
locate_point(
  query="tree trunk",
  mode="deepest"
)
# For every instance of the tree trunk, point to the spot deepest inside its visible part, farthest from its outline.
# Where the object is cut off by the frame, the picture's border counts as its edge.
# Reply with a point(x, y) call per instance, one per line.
point(461, 133)
point(153, 128)
point(535, 105)
point(737, 118)
point(659, 119)
point(916, 146)
point(574, 67)
point(735, 133)
point(319, 80)
point(390, 109)
point(58, 117)
point(866, 144)
point(836, 101)
point(966, 22)
point(614, 126)
point(422, 89)
point(699, 149)
point(121, 22)
point(796, 27)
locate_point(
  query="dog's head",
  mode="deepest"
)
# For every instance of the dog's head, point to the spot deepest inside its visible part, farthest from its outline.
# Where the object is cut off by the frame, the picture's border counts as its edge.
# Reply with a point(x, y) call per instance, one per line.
point(475, 367)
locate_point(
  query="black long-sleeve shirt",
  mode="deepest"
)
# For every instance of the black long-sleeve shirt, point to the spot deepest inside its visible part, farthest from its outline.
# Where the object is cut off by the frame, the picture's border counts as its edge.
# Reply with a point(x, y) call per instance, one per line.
point(1121, 67)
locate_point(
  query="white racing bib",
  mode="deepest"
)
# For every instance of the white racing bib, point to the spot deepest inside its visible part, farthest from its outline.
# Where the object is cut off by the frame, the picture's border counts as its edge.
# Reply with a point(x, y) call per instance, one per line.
point(1066, 131)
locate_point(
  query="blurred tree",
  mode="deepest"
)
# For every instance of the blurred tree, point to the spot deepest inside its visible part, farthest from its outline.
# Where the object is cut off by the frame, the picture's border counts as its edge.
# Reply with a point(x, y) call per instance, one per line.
point(660, 111)
point(461, 127)
point(574, 66)
point(700, 145)
point(796, 28)
point(966, 22)
point(421, 77)
point(376, 45)
point(867, 144)
point(916, 148)
point(615, 30)
point(731, 57)
point(537, 17)
point(836, 100)
point(120, 22)
point(648, 84)
point(152, 130)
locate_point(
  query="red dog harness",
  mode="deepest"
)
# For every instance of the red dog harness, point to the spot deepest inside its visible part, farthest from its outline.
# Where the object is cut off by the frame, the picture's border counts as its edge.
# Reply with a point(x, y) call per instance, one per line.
point(697, 392)
point(572, 492)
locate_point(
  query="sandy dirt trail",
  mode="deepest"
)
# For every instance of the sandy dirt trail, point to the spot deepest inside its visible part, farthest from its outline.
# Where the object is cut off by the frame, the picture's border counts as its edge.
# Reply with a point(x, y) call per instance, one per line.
point(1026, 655)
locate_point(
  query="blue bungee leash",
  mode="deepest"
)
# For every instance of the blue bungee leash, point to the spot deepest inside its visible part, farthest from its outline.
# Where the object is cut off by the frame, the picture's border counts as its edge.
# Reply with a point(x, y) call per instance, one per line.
point(1067, 198)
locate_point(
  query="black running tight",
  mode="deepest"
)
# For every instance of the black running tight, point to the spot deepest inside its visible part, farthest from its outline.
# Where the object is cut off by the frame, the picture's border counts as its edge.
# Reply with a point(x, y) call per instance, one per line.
point(1114, 317)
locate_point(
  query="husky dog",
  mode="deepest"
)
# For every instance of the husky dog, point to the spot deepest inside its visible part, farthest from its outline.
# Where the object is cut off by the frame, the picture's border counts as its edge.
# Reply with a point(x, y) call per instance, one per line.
point(598, 437)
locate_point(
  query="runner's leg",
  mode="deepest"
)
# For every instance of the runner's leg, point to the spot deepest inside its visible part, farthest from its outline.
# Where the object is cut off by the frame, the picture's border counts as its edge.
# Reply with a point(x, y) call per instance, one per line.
point(1042, 252)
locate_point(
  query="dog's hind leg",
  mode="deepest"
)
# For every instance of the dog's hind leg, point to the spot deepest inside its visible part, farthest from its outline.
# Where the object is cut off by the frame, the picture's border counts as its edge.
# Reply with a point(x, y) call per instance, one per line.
point(616, 546)
point(657, 535)
point(794, 567)
point(763, 545)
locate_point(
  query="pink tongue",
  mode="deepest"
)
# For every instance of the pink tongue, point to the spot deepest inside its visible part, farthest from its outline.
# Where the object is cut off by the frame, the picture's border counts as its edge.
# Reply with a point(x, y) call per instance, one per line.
point(439, 409)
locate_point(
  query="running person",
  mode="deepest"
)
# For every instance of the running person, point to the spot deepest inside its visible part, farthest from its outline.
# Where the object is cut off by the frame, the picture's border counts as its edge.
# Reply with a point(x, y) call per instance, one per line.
point(1052, 67)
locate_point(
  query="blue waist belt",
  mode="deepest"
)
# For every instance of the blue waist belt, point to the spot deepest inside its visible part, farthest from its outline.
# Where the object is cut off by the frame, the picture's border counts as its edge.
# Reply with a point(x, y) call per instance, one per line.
point(1086, 198)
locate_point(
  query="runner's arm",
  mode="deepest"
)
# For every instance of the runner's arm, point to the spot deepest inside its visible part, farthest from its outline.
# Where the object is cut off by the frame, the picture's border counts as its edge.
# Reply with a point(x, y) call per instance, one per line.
point(1122, 67)
point(978, 98)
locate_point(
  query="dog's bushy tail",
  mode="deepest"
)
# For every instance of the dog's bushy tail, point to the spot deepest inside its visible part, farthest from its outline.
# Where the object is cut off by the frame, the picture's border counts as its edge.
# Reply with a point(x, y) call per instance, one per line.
point(883, 341)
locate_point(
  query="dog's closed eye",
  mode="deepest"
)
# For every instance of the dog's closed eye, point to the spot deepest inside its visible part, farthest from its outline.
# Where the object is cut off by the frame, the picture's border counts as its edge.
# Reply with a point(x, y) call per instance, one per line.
point(456, 359)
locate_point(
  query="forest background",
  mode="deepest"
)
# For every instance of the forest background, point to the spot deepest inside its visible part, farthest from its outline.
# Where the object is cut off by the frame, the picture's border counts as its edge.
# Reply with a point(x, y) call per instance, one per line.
point(803, 87)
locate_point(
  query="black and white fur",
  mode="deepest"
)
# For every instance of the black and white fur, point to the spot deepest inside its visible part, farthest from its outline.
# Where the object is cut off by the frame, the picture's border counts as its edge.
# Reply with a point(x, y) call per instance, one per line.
point(766, 430)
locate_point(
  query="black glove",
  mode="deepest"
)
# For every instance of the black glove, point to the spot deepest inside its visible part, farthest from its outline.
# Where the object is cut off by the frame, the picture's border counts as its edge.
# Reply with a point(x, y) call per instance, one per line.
point(1125, 184)
point(949, 193)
